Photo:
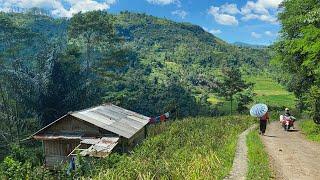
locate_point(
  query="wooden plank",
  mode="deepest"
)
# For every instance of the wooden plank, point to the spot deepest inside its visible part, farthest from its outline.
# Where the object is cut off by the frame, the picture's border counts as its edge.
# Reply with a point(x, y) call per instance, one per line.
point(74, 150)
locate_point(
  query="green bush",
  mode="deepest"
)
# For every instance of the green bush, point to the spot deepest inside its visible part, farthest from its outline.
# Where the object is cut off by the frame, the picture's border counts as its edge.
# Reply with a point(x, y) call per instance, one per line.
point(311, 130)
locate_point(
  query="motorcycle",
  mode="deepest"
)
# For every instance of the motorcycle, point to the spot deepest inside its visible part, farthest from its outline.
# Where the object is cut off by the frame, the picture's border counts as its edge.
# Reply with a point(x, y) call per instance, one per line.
point(287, 122)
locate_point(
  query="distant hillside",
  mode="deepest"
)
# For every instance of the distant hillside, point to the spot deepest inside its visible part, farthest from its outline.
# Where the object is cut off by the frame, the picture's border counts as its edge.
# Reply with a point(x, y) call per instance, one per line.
point(161, 49)
point(190, 42)
point(255, 46)
point(158, 39)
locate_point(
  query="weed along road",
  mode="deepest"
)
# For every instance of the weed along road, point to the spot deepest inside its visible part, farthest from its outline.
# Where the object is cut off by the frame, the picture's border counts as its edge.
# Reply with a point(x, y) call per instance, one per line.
point(293, 156)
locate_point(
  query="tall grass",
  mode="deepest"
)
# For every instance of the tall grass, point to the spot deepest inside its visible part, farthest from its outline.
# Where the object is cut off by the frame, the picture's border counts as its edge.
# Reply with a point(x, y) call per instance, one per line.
point(258, 164)
point(311, 130)
point(193, 148)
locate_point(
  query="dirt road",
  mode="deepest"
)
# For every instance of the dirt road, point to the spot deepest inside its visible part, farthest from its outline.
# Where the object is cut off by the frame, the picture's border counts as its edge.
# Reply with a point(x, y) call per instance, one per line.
point(292, 156)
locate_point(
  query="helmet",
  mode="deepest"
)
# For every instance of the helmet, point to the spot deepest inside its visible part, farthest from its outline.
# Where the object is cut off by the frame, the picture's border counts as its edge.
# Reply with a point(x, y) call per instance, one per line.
point(287, 109)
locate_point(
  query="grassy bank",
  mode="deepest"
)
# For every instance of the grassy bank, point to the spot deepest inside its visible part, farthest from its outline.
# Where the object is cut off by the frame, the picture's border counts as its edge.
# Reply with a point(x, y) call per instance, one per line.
point(270, 92)
point(258, 164)
point(194, 148)
point(311, 130)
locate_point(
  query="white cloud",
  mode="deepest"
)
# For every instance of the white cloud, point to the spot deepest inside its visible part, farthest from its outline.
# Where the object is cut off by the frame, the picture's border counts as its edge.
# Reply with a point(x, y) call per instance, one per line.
point(181, 13)
point(270, 3)
point(215, 31)
point(229, 9)
point(260, 10)
point(206, 29)
point(222, 18)
point(256, 35)
point(269, 33)
point(212, 31)
point(252, 7)
point(58, 7)
point(263, 17)
point(163, 2)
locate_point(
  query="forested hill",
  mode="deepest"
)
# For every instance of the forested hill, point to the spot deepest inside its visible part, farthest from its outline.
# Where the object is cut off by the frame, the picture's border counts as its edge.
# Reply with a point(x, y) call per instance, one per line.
point(51, 66)
point(184, 43)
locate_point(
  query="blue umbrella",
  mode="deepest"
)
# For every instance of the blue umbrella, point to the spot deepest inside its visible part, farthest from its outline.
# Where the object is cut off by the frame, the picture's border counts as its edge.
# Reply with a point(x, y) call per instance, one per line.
point(258, 110)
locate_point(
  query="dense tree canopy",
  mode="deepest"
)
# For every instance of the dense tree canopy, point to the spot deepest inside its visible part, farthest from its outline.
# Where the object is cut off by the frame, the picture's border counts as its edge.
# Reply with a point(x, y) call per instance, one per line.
point(298, 51)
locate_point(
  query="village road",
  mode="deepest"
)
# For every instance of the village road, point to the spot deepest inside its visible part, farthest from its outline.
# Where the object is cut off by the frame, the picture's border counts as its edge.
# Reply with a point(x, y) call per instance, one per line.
point(293, 157)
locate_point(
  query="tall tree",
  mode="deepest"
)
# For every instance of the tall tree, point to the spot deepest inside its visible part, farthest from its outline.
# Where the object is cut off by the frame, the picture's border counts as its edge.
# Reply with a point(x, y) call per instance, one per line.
point(230, 84)
point(95, 31)
point(298, 50)
point(102, 51)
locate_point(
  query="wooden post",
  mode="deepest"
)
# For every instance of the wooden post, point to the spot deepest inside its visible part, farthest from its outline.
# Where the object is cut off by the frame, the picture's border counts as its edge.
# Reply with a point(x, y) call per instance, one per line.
point(122, 146)
point(145, 131)
point(44, 152)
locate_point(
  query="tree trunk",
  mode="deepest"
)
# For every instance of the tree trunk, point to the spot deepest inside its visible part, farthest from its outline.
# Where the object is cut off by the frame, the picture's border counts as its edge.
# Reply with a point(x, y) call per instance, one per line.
point(88, 59)
point(231, 99)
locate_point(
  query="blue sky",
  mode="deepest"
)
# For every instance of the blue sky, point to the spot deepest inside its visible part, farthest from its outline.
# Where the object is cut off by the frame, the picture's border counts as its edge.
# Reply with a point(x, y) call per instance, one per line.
point(249, 21)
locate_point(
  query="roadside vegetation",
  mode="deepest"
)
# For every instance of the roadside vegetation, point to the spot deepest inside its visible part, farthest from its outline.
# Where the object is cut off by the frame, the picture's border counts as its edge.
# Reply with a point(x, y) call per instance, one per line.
point(190, 148)
point(183, 149)
point(311, 130)
point(258, 163)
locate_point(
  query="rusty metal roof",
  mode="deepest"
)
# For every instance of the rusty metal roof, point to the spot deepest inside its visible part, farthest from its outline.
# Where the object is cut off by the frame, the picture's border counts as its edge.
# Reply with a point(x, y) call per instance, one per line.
point(99, 147)
point(114, 119)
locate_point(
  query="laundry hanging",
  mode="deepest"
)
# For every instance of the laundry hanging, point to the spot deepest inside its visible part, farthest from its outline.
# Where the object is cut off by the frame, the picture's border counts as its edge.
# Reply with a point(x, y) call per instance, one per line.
point(162, 118)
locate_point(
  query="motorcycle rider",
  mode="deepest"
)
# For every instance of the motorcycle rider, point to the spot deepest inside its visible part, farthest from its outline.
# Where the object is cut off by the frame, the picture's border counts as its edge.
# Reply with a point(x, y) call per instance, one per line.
point(288, 115)
point(287, 112)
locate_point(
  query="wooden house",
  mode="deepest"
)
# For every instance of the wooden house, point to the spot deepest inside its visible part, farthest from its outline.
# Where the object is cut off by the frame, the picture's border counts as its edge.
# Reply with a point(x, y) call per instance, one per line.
point(94, 132)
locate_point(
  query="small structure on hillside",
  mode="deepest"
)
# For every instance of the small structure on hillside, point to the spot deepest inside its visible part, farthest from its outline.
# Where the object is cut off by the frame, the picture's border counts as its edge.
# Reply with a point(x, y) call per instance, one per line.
point(94, 132)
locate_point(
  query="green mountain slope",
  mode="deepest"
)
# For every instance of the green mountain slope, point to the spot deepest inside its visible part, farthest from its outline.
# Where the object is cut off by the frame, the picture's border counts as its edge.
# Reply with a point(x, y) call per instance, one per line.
point(161, 51)
point(165, 47)
point(158, 40)
point(183, 43)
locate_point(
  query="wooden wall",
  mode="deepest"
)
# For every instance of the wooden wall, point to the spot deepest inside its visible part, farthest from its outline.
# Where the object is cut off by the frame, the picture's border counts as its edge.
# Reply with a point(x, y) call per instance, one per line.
point(70, 124)
point(56, 151)
point(136, 139)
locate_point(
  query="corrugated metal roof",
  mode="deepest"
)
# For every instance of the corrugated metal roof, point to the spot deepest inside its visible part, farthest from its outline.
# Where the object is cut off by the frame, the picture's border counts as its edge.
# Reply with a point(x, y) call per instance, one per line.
point(113, 118)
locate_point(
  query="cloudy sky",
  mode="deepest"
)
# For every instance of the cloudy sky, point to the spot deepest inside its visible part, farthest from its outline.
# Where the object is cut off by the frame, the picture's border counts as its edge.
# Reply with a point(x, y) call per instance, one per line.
point(250, 21)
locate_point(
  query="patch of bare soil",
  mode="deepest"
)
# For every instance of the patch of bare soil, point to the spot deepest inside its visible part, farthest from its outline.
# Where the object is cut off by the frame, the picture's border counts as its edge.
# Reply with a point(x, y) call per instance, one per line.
point(292, 156)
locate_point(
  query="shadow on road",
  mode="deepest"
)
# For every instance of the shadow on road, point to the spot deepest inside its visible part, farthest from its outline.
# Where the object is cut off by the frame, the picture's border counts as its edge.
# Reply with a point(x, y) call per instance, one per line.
point(271, 136)
point(293, 130)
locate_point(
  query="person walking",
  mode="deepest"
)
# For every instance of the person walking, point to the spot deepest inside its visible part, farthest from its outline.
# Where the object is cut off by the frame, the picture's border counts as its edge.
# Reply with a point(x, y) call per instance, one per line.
point(263, 123)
